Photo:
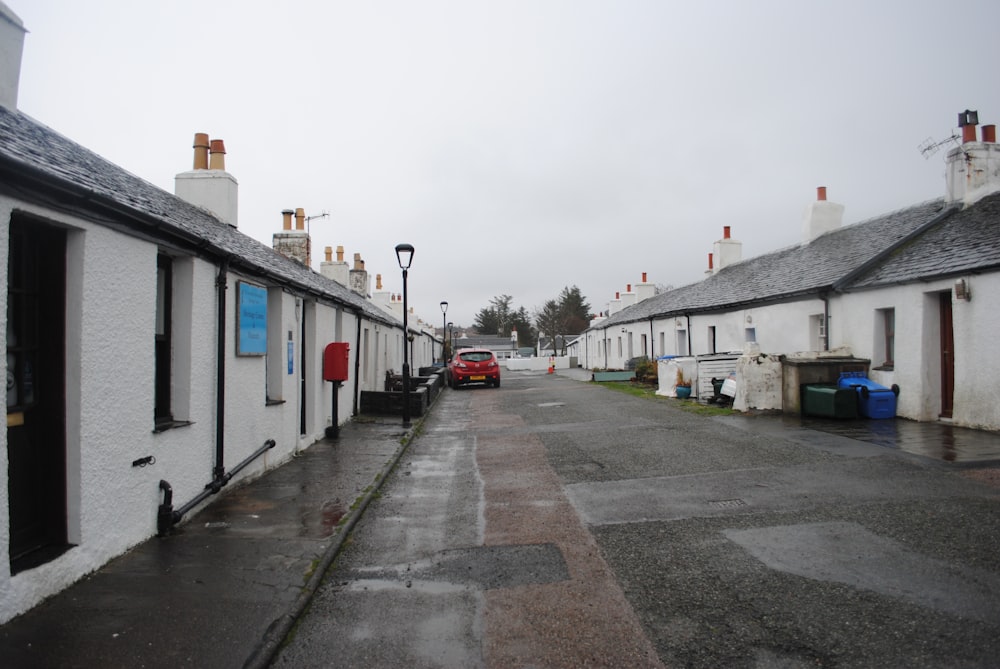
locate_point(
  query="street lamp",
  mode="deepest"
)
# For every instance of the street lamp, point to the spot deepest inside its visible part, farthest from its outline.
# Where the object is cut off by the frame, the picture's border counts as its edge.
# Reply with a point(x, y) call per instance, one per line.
point(404, 254)
point(444, 329)
point(451, 338)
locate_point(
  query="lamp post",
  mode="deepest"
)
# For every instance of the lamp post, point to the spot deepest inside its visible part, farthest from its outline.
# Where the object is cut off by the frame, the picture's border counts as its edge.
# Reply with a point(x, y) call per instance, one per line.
point(404, 254)
point(444, 330)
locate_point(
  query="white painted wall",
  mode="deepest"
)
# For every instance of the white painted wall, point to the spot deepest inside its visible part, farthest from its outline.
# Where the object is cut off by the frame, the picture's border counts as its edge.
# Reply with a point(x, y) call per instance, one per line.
point(111, 297)
point(917, 368)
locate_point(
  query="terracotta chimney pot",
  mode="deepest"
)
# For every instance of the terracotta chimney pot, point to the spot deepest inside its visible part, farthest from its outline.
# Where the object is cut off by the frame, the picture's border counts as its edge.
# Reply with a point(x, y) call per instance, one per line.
point(821, 193)
point(201, 150)
point(286, 219)
point(710, 261)
point(217, 160)
point(329, 253)
point(644, 277)
point(340, 254)
point(300, 218)
point(989, 134)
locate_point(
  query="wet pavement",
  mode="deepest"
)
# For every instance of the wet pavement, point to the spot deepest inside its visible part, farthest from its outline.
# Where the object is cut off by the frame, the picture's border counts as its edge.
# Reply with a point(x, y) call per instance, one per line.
point(228, 585)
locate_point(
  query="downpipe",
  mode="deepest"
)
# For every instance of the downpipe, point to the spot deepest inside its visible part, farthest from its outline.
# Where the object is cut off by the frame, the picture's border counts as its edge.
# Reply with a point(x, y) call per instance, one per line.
point(167, 516)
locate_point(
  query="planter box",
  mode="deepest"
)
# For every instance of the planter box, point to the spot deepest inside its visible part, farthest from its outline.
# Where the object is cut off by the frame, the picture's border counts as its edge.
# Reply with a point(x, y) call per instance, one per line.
point(612, 376)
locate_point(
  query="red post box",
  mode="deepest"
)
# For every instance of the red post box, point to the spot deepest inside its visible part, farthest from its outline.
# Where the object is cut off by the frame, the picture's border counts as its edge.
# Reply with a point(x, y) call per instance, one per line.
point(335, 361)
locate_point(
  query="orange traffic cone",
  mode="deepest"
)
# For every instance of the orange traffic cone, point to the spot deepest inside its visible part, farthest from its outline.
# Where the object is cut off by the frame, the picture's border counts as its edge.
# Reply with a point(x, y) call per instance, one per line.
point(552, 365)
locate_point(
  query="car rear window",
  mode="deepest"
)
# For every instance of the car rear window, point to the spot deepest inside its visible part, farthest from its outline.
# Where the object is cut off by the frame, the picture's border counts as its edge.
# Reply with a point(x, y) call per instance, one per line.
point(476, 356)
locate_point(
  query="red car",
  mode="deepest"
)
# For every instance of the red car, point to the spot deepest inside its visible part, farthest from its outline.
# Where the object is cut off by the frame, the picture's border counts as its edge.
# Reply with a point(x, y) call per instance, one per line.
point(474, 365)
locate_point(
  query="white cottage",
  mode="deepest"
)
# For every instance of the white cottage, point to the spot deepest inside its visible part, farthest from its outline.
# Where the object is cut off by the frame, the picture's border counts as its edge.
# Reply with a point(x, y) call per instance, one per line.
point(151, 347)
point(912, 293)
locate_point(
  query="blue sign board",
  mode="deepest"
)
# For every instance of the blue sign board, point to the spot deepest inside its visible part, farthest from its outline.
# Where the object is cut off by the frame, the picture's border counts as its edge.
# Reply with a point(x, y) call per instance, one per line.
point(251, 321)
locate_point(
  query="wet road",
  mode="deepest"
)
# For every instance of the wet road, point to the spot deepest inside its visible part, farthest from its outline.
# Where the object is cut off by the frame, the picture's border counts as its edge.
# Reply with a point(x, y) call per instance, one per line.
point(552, 523)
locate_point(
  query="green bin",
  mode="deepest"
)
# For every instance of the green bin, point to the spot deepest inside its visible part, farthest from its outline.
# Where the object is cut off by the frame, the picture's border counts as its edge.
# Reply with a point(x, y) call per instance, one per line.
point(829, 401)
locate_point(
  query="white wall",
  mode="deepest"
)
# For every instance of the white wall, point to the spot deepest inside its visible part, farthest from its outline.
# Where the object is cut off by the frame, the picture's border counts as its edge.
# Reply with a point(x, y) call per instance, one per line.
point(109, 390)
point(917, 368)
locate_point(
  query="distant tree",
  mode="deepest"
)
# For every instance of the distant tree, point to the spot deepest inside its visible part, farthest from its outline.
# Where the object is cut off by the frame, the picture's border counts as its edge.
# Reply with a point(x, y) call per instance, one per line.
point(489, 320)
point(575, 311)
point(549, 320)
point(500, 319)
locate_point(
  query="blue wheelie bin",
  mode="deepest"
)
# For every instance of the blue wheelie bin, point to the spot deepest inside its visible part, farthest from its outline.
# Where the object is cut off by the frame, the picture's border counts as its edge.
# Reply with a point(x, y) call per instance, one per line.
point(874, 400)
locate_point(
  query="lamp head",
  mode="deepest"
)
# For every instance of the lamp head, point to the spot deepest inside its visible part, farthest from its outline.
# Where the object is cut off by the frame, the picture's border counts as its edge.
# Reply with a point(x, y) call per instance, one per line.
point(404, 253)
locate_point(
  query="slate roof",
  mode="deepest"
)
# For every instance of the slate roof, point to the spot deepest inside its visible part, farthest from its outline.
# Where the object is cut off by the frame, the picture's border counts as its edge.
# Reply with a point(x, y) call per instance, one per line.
point(80, 180)
point(967, 242)
point(807, 269)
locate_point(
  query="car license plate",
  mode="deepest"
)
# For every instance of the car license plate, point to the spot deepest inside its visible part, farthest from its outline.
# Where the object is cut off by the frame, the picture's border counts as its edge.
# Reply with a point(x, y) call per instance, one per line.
point(478, 378)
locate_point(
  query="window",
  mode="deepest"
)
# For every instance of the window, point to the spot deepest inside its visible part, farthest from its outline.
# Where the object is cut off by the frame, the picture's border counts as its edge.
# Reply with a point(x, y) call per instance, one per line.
point(162, 413)
point(711, 339)
point(885, 337)
point(750, 335)
point(817, 332)
point(645, 344)
point(682, 342)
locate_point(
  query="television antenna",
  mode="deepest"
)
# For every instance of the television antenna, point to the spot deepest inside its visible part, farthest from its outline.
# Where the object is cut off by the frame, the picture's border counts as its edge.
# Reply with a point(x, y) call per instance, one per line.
point(929, 147)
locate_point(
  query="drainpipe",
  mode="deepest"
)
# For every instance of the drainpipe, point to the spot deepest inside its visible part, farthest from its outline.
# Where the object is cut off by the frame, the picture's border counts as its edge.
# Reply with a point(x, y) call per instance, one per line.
point(220, 381)
point(688, 317)
point(167, 516)
point(357, 366)
point(652, 344)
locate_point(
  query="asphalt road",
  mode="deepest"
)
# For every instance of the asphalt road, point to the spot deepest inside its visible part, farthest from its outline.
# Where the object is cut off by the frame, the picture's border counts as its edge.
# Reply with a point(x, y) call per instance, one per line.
point(553, 523)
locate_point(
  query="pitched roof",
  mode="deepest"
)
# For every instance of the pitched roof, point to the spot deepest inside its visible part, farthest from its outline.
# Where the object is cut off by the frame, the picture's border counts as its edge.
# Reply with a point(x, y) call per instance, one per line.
point(966, 242)
point(78, 180)
point(791, 272)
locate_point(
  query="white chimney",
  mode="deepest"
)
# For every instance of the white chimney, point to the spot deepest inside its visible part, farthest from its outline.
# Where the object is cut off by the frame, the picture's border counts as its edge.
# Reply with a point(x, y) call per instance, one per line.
point(727, 251)
point(338, 269)
point(615, 305)
point(11, 47)
point(645, 289)
point(209, 185)
point(821, 216)
point(628, 297)
point(973, 169)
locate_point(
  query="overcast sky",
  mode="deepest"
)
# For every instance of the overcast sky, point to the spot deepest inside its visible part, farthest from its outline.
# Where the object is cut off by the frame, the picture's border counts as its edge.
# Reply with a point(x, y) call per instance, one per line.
point(523, 146)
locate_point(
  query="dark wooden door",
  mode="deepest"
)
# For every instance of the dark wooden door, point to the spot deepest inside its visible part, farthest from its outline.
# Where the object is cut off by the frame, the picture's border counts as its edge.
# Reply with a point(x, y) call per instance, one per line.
point(36, 434)
point(947, 356)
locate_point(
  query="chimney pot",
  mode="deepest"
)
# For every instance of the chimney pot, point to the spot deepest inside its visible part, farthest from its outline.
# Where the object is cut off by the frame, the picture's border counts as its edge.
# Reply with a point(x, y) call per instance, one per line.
point(644, 277)
point(378, 282)
point(989, 134)
point(725, 231)
point(329, 253)
point(821, 193)
point(710, 261)
point(201, 150)
point(340, 254)
point(286, 219)
point(628, 288)
point(300, 218)
point(217, 161)
point(618, 295)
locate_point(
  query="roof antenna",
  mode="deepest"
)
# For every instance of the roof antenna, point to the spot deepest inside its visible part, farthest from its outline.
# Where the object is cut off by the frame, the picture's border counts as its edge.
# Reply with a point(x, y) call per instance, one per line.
point(967, 121)
point(929, 147)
